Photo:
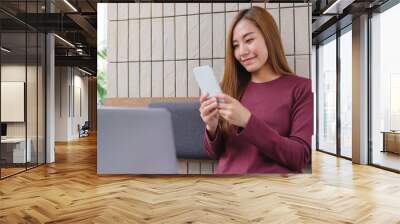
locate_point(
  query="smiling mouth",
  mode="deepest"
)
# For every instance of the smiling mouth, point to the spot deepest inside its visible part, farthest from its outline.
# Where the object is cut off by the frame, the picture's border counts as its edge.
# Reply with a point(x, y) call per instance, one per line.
point(247, 60)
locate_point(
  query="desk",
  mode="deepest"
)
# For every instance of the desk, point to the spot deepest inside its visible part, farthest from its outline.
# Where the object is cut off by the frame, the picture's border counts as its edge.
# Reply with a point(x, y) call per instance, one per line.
point(16, 148)
point(391, 141)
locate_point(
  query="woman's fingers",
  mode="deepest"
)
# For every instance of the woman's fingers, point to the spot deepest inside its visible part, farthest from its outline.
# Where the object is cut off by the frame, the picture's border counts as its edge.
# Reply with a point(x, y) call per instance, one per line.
point(224, 106)
point(208, 108)
point(226, 98)
point(203, 97)
point(211, 115)
point(224, 113)
point(207, 103)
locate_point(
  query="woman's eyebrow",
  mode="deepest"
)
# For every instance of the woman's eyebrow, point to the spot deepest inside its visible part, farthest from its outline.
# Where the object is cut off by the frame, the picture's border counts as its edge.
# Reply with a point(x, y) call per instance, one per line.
point(247, 34)
point(234, 41)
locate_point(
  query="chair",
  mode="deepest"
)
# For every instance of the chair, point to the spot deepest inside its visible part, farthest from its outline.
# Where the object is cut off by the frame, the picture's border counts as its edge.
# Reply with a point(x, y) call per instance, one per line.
point(84, 130)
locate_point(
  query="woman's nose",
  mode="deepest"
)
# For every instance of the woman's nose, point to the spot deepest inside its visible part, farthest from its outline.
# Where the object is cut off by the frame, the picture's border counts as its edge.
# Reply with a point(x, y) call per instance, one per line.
point(243, 50)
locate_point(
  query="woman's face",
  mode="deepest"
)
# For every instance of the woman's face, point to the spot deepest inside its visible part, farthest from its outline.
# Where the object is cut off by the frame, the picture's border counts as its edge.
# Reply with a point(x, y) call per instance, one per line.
point(249, 46)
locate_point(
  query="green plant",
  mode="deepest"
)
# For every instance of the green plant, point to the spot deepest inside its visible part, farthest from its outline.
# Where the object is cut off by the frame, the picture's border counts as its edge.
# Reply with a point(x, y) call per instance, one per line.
point(101, 77)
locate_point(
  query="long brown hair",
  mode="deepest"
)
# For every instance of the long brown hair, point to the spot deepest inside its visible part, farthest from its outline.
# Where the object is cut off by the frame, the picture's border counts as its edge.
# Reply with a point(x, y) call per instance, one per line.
point(236, 77)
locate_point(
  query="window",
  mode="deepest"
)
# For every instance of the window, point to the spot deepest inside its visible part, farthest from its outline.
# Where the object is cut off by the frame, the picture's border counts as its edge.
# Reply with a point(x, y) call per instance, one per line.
point(346, 75)
point(327, 96)
point(385, 89)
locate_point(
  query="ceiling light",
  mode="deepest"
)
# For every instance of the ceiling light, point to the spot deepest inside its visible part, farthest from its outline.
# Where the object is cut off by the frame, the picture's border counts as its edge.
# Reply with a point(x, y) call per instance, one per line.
point(64, 40)
point(5, 49)
point(337, 7)
point(70, 5)
point(84, 71)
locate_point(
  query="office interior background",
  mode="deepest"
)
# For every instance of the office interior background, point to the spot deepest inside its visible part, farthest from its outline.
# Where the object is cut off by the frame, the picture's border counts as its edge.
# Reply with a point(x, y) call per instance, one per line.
point(48, 82)
point(49, 75)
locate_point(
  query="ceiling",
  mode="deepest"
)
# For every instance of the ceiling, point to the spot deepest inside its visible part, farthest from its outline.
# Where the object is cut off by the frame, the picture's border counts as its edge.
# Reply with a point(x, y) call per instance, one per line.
point(332, 15)
point(74, 21)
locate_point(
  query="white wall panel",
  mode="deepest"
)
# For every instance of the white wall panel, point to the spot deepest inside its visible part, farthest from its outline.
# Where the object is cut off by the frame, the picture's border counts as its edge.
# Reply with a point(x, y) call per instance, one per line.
point(169, 39)
point(181, 38)
point(122, 53)
point(157, 79)
point(122, 79)
point(181, 78)
point(206, 36)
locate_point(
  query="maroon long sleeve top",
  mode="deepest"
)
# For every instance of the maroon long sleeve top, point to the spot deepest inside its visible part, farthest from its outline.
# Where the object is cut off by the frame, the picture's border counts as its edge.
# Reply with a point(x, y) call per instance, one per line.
point(277, 137)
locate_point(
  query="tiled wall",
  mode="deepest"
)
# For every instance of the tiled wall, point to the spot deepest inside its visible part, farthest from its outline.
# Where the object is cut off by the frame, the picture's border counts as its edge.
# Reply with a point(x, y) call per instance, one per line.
point(153, 47)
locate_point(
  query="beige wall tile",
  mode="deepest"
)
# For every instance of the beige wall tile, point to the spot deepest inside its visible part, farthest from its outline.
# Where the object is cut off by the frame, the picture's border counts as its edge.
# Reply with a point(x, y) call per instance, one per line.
point(156, 9)
point(169, 38)
point(206, 167)
point(123, 28)
point(193, 36)
point(302, 66)
point(244, 6)
point(228, 20)
point(286, 5)
point(123, 11)
point(134, 79)
point(134, 10)
point(218, 35)
point(122, 69)
point(205, 7)
point(112, 11)
point(145, 40)
point(169, 9)
point(193, 166)
point(157, 79)
point(134, 35)
point(145, 10)
point(181, 37)
point(275, 14)
point(157, 39)
point(193, 88)
point(218, 67)
point(180, 9)
point(259, 4)
point(169, 78)
point(205, 37)
point(290, 60)
point(218, 7)
point(301, 30)
point(112, 80)
point(145, 79)
point(272, 5)
point(287, 30)
point(231, 6)
point(181, 78)
point(193, 8)
point(112, 41)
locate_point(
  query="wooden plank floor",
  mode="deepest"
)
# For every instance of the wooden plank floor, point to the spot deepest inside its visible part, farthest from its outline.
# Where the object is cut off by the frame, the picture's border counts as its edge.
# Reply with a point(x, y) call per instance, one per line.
point(70, 191)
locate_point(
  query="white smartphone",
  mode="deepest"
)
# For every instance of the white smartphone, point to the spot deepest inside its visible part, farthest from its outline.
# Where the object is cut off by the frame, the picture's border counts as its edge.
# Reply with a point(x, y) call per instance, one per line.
point(206, 80)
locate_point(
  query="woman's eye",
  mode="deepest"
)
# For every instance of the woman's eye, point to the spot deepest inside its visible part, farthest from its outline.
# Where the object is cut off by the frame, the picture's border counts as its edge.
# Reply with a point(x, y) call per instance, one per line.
point(249, 40)
point(234, 46)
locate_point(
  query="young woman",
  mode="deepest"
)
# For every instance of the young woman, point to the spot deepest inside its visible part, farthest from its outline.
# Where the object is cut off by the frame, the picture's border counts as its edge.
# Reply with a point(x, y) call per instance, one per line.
point(265, 121)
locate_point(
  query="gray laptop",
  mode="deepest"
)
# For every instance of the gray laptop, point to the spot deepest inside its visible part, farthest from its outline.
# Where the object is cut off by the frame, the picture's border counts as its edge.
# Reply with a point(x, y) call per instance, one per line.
point(135, 141)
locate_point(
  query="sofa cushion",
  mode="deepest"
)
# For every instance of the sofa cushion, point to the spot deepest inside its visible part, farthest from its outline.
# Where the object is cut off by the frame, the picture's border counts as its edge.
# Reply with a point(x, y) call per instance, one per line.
point(188, 128)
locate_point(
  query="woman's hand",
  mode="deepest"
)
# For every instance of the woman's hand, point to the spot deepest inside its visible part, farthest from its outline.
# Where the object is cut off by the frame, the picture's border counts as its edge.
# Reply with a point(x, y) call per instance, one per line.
point(209, 113)
point(233, 111)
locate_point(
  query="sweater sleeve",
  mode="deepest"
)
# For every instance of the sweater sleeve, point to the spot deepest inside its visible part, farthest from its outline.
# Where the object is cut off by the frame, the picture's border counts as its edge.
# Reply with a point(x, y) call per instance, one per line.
point(214, 147)
point(293, 151)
